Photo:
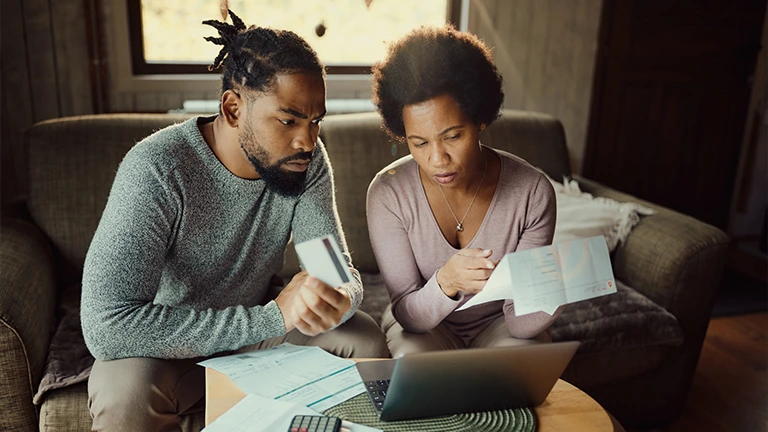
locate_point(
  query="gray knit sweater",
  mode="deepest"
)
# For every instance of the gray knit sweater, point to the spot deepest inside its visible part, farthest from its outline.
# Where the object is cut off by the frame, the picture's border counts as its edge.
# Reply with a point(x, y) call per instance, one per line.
point(182, 258)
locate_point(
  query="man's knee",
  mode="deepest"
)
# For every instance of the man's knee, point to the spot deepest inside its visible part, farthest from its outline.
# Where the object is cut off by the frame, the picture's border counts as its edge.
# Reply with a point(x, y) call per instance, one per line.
point(135, 394)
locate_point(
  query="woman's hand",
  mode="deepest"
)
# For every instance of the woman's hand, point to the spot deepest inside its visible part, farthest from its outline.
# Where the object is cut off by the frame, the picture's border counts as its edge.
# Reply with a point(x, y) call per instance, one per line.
point(466, 271)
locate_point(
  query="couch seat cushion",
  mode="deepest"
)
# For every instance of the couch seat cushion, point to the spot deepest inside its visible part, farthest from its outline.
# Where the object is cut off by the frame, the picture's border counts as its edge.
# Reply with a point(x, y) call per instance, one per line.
point(621, 321)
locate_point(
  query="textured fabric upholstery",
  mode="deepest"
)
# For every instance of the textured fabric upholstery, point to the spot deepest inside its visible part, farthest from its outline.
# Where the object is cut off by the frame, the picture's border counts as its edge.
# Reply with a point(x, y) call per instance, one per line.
point(535, 137)
point(358, 149)
point(27, 296)
point(72, 163)
point(623, 320)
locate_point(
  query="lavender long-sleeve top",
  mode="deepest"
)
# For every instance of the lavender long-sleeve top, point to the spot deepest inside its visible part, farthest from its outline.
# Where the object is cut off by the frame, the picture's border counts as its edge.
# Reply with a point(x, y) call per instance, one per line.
point(410, 248)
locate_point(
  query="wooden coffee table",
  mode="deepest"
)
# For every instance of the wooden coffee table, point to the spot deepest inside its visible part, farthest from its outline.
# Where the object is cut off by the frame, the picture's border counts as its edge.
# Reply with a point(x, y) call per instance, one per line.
point(566, 407)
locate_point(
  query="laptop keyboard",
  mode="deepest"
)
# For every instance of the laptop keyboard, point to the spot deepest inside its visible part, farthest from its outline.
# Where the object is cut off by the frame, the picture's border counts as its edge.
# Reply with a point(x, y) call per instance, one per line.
point(377, 391)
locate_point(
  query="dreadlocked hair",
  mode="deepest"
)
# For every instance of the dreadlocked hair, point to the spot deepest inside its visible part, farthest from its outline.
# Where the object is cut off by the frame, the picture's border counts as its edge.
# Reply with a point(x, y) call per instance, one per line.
point(252, 57)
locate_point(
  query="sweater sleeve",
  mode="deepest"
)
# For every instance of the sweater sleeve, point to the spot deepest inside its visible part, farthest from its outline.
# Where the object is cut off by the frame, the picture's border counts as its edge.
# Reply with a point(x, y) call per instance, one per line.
point(122, 274)
point(418, 305)
point(538, 231)
point(316, 215)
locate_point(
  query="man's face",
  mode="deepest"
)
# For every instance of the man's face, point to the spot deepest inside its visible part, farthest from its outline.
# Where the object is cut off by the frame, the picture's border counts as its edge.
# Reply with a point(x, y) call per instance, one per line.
point(280, 130)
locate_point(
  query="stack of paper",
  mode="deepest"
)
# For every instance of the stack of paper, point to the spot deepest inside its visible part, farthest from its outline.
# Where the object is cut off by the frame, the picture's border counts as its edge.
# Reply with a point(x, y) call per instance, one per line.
point(305, 375)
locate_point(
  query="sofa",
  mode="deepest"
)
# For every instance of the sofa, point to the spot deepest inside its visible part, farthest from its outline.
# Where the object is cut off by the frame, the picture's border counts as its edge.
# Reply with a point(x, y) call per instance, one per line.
point(639, 346)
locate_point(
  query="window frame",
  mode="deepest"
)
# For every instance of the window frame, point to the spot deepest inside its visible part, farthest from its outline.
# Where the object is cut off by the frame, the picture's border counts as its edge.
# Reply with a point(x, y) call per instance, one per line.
point(140, 66)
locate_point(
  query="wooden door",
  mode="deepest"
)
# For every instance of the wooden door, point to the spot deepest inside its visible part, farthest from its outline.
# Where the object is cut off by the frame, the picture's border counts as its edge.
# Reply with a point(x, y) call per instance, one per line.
point(672, 86)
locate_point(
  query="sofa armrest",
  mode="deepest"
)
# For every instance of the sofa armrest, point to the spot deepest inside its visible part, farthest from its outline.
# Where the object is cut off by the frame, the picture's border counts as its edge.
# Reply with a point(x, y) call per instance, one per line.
point(673, 259)
point(27, 304)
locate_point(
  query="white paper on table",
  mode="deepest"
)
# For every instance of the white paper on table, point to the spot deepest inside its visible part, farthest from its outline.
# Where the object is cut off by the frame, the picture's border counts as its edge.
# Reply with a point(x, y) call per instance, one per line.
point(354, 427)
point(305, 375)
point(256, 413)
point(322, 258)
point(545, 278)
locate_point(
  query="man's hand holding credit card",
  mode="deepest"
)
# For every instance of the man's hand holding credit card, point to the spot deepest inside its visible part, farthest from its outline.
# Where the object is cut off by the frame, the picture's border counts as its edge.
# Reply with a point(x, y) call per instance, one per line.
point(312, 302)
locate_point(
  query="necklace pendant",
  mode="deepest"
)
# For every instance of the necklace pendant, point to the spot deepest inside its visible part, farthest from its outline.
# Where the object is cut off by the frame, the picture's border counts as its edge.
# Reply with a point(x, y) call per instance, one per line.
point(459, 228)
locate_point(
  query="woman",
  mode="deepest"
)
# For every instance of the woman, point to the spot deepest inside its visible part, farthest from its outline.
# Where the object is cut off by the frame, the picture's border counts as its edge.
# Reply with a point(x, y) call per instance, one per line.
point(441, 218)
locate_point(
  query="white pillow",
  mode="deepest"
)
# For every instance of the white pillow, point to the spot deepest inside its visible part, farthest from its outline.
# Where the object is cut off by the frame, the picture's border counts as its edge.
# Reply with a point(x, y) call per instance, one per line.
point(580, 215)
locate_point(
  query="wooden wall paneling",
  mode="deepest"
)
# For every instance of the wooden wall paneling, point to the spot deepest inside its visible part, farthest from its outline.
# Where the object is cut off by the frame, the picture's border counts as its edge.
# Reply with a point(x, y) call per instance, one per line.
point(16, 99)
point(503, 25)
point(72, 62)
point(586, 20)
point(692, 66)
point(196, 95)
point(169, 101)
point(121, 102)
point(545, 49)
point(146, 103)
point(44, 79)
point(538, 45)
point(556, 70)
point(212, 94)
point(520, 52)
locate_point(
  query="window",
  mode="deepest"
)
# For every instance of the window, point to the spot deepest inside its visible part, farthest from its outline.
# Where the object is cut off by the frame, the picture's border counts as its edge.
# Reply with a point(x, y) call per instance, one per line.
point(166, 36)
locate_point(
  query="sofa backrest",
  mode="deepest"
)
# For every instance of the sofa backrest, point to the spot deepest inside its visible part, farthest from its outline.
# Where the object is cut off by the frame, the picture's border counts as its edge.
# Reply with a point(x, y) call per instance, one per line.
point(359, 148)
point(72, 163)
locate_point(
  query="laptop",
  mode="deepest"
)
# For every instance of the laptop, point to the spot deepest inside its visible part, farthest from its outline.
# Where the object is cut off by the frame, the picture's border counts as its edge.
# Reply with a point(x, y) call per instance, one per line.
point(439, 383)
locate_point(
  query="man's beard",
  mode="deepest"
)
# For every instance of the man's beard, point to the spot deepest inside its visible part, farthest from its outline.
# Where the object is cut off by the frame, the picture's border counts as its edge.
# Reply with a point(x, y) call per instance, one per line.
point(277, 179)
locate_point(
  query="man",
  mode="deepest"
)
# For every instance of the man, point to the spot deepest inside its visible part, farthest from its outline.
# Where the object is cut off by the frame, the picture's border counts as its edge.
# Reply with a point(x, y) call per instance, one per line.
point(195, 228)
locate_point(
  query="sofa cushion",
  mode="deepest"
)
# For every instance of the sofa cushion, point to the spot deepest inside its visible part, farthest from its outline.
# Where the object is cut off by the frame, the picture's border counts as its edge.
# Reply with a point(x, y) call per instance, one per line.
point(69, 361)
point(621, 321)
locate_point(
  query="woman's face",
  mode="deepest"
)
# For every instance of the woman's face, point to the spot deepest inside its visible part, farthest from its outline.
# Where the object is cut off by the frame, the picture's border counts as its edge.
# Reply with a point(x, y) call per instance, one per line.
point(443, 140)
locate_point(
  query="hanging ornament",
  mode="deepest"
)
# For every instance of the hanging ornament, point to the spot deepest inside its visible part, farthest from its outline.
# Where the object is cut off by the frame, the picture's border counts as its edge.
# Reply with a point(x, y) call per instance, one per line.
point(320, 29)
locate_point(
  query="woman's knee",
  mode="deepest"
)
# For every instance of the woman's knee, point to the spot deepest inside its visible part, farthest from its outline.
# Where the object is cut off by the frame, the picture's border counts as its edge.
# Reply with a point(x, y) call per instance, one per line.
point(359, 337)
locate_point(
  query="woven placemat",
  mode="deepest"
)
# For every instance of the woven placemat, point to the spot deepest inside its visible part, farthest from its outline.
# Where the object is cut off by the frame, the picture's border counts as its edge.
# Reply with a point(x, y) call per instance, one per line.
point(360, 410)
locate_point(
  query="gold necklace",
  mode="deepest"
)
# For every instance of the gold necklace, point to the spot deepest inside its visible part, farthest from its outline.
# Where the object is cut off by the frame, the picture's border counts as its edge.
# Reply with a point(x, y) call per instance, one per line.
point(459, 223)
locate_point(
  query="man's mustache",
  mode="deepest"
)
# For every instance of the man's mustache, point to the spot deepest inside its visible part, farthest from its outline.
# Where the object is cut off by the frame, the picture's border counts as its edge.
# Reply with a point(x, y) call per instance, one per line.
point(302, 156)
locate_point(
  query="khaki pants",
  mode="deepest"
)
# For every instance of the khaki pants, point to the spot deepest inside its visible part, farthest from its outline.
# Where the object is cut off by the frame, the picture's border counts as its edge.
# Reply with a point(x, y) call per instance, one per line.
point(149, 394)
point(496, 335)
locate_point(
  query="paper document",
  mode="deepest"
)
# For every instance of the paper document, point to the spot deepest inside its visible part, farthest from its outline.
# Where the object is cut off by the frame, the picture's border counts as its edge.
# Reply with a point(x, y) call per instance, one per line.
point(545, 278)
point(322, 258)
point(305, 375)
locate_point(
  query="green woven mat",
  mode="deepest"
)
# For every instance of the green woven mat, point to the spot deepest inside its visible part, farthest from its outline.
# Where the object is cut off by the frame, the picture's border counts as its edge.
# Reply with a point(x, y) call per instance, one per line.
point(360, 410)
